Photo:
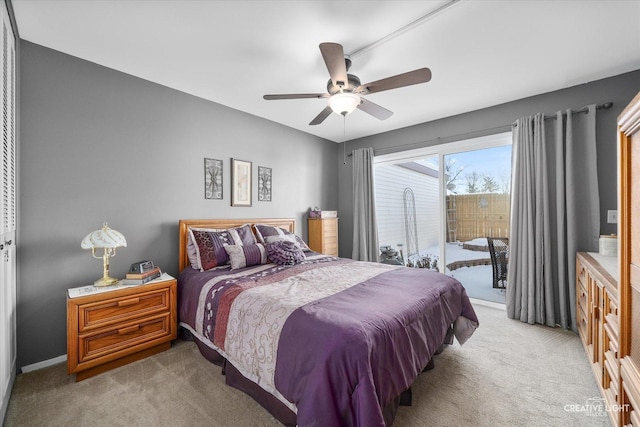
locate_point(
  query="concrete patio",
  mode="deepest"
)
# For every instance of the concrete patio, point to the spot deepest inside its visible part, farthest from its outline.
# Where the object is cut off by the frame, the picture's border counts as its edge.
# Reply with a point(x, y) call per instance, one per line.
point(477, 279)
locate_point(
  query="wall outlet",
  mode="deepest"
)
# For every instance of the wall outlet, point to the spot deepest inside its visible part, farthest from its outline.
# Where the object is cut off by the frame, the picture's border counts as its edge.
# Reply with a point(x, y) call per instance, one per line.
point(612, 216)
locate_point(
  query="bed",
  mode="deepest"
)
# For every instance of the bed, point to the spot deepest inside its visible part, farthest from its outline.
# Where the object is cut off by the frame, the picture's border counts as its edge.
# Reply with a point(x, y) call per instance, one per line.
point(316, 340)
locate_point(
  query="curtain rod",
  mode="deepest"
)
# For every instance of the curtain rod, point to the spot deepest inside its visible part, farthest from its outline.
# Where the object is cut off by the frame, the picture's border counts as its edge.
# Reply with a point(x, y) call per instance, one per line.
point(441, 140)
point(467, 135)
point(604, 106)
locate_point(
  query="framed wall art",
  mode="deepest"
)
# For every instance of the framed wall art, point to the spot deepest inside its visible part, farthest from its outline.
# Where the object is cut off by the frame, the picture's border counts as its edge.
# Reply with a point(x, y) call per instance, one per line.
point(264, 184)
point(213, 179)
point(240, 182)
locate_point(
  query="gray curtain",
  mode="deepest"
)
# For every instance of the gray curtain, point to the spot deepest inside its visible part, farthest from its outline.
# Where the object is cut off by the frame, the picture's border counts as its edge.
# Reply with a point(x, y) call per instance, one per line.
point(555, 211)
point(365, 235)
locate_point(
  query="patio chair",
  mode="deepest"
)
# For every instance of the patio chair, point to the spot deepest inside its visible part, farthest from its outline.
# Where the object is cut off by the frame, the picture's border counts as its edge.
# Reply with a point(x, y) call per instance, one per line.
point(499, 251)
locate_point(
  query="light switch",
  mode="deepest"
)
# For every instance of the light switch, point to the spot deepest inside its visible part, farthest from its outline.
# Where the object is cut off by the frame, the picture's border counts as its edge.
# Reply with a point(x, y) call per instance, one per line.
point(612, 216)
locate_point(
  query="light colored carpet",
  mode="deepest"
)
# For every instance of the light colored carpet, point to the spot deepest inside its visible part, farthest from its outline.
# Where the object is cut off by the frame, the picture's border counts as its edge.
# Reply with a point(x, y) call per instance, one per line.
point(508, 374)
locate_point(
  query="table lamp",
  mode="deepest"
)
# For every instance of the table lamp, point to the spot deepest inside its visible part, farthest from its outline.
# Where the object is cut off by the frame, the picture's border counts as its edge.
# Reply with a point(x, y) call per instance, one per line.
point(108, 240)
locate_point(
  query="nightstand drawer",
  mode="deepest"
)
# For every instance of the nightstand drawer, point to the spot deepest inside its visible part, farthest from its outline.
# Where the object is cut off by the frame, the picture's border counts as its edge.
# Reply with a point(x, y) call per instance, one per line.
point(122, 337)
point(116, 310)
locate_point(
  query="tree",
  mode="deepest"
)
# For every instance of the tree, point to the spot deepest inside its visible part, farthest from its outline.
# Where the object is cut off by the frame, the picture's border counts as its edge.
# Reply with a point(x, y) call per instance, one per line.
point(505, 183)
point(451, 173)
point(489, 184)
point(472, 180)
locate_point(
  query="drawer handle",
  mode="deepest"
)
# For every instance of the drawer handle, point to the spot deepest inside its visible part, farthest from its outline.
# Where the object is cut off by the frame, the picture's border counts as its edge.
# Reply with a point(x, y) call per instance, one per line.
point(128, 302)
point(128, 330)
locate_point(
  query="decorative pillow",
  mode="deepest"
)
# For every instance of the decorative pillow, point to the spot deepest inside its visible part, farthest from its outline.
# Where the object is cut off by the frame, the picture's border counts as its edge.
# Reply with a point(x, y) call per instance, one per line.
point(278, 238)
point(246, 256)
point(209, 245)
point(192, 253)
point(263, 231)
point(284, 252)
point(192, 248)
point(242, 235)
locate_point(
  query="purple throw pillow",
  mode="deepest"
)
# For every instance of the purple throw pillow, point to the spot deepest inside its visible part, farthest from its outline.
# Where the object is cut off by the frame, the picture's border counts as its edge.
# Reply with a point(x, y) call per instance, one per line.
point(284, 252)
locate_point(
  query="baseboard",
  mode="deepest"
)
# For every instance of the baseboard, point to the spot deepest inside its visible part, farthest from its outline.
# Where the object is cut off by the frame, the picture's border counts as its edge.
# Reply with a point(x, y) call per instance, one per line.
point(488, 303)
point(44, 364)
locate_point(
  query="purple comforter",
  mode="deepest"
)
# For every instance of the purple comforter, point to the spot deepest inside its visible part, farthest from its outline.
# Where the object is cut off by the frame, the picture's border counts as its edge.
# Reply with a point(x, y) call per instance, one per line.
point(342, 358)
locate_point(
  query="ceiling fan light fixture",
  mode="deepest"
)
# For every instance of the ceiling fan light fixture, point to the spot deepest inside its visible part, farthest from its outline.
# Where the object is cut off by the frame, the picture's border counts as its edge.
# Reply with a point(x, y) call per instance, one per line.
point(344, 102)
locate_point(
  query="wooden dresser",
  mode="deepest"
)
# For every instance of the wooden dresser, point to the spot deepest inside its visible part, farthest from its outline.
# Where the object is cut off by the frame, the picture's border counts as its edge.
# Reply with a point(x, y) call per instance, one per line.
point(110, 329)
point(323, 235)
point(629, 237)
point(597, 317)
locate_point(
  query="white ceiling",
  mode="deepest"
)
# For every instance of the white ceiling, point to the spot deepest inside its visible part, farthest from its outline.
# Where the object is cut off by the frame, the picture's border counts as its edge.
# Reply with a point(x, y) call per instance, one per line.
point(481, 52)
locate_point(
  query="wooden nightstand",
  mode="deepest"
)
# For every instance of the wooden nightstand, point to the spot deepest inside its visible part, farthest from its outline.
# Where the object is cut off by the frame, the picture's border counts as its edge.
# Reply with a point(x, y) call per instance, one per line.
point(323, 235)
point(110, 328)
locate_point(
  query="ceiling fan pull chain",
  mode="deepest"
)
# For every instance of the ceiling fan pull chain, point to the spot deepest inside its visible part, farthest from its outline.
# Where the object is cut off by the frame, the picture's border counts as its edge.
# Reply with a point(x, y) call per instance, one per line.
point(344, 139)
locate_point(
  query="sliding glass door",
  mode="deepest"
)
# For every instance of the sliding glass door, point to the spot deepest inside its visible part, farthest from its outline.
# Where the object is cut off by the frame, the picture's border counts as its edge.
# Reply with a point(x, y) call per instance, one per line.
point(439, 207)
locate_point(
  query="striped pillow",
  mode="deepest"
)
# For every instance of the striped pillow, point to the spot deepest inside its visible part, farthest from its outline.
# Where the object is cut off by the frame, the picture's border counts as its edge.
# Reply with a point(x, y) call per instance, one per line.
point(246, 256)
point(269, 233)
point(210, 244)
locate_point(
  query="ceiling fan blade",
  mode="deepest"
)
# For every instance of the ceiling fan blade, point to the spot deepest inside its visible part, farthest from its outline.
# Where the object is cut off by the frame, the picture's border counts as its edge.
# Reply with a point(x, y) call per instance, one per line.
point(421, 75)
point(320, 117)
point(333, 56)
point(374, 109)
point(296, 96)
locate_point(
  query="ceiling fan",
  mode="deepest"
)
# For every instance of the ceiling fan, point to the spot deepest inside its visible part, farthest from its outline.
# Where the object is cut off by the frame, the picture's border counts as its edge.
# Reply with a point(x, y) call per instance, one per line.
point(345, 92)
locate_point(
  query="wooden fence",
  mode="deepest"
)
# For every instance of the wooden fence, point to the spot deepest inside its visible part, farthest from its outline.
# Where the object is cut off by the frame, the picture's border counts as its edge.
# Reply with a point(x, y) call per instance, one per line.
point(470, 216)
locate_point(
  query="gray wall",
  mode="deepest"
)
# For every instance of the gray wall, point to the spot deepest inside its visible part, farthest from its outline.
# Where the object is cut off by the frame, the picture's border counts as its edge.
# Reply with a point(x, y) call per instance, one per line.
point(619, 90)
point(99, 145)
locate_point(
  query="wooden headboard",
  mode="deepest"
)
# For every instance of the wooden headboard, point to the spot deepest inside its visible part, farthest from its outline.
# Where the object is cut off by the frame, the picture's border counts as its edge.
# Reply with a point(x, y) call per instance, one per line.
point(184, 225)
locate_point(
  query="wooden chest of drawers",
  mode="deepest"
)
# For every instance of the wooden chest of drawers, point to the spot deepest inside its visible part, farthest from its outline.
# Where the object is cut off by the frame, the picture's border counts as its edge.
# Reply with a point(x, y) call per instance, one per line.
point(597, 316)
point(323, 235)
point(110, 329)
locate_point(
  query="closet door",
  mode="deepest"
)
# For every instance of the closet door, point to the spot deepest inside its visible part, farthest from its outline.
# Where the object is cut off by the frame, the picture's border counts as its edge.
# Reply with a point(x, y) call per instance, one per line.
point(629, 141)
point(8, 205)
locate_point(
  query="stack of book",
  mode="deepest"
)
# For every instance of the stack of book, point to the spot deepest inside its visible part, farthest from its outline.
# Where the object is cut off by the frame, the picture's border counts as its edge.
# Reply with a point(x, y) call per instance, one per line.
point(142, 278)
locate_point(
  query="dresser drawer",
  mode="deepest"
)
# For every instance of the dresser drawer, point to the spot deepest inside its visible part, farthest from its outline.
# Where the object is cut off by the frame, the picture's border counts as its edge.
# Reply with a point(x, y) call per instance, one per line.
point(110, 341)
point(582, 273)
point(583, 301)
point(330, 226)
point(331, 234)
point(331, 248)
point(583, 325)
point(117, 310)
point(612, 366)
